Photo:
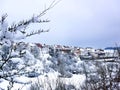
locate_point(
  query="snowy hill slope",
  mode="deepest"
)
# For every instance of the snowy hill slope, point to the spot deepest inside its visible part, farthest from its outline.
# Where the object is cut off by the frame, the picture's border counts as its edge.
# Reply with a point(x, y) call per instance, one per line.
point(47, 67)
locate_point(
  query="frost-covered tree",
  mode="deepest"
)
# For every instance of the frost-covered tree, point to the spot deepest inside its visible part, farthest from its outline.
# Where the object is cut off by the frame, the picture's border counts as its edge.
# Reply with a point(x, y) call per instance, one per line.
point(15, 58)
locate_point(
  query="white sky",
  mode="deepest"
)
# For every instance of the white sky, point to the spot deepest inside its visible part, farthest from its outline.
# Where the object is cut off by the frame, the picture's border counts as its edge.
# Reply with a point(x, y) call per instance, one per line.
point(82, 23)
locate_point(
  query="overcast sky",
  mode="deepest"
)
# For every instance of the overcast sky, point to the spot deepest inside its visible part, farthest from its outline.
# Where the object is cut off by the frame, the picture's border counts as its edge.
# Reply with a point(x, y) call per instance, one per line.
point(94, 23)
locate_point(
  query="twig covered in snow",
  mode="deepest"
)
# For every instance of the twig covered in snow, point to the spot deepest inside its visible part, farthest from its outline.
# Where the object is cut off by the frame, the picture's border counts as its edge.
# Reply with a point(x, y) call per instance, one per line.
point(22, 61)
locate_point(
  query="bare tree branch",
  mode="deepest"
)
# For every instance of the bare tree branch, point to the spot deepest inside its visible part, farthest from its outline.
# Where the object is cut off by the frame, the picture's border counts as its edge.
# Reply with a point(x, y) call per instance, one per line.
point(35, 19)
point(3, 18)
point(37, 32)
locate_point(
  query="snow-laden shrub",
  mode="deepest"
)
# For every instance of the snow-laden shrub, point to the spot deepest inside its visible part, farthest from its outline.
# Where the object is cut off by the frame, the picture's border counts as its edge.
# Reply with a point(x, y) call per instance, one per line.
point(35, 51)
point(105, 77)
point(51, 84)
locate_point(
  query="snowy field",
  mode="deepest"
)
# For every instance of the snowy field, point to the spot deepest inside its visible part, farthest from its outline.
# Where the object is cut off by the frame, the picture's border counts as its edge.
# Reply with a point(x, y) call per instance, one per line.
point(48, 71)
point(51, 80)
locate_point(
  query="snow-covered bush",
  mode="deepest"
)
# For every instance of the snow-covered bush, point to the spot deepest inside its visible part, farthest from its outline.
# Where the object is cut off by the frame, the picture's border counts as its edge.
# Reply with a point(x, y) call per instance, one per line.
point(52, 84)
point(66, 64)
point(105, 76)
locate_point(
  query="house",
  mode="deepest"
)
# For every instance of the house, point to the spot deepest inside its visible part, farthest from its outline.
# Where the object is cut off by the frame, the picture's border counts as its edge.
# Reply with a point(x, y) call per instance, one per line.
point(77, 51)
point(82, 51)
point(90, 49)
point(39, 45)
point(100, 53)
point(66, 50)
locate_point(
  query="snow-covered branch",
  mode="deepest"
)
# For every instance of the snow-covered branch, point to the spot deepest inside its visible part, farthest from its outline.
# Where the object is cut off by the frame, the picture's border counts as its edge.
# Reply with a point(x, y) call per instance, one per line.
point(36, 32)
point(16, 58)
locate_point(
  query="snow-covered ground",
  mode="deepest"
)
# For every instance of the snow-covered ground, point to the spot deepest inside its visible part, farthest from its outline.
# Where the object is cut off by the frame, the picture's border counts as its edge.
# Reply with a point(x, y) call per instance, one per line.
point(46, 70)
point(51, 79)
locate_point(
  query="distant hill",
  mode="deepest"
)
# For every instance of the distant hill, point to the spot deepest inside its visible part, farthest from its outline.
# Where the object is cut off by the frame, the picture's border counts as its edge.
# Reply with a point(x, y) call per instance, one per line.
point(112, 48)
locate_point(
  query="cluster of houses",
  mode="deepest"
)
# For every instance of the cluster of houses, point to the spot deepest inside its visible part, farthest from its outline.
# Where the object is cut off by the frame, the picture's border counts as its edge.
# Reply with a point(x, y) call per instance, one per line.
point(83, 53)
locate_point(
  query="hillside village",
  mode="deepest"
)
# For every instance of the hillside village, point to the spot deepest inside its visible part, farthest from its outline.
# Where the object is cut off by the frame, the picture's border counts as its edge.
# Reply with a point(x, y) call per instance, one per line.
point(36, 60)
point(87, 53)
